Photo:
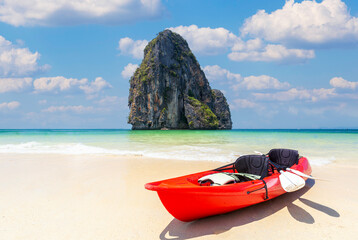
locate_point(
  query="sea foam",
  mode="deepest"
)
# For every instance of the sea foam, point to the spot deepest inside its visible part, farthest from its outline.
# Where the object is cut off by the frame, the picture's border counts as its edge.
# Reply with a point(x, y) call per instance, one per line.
point(59, 148)
point(175, 152)
point(185, 152)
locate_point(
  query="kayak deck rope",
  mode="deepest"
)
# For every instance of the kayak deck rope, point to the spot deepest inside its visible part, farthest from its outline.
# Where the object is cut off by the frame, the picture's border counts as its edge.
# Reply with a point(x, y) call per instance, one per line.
point(266, 191)
point(246, 175)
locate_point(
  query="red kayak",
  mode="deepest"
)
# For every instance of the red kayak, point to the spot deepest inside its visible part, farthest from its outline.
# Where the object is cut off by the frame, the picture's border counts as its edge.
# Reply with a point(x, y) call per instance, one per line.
point(187, 200)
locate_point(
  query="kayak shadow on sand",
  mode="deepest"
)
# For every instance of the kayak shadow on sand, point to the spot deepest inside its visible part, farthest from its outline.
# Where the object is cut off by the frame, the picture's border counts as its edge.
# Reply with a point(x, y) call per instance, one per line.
point(222, 223)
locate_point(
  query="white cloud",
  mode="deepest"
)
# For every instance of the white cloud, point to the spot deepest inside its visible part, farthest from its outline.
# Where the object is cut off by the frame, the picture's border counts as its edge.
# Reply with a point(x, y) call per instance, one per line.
point(300, 94)
point(113, 103)
point(337, 108)
point(134, 48)
point(129, 70)
point(272, 52)
point(59, 84)
point(216, 73)
point(9, 105)
point(243, 103)
point(263, 82)
point(75, 109)
point(308, 22)
point(207, 41)
point(339, 82)
point(214, 41)
point(14, 84)
point(74, 12)
point(108, 100)
point(16, 61)
point(249, 45)
point(96, 86)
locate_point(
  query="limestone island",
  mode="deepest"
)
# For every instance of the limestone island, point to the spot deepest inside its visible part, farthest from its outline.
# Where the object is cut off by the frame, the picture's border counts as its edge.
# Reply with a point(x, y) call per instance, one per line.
point(170, 91)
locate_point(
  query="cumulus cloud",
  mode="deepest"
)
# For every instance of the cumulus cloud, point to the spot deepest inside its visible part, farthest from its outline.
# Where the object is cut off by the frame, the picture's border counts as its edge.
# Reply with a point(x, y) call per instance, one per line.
point(249, 45)
point(212, 41)
point(262, 82)
point(14, 84)
point(129, 70)
point(271, 53)
point(337, 108)
point(16, 61)
point(236, 81)
point(74, 12)
point(108, 100)
point(134, 48)
point(207, 41)
point(9, 105)
point(307, 22)
point(76, 109)
point(96, 86)
point(300, 94)
point(60, 84)
point(217, 73)
point(339, 82)
point(110, 103)
point(243, 103)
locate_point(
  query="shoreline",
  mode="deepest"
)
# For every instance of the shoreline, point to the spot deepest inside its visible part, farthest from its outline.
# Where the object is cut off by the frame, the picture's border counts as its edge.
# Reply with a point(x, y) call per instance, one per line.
point(53, 196)
point(140, 157)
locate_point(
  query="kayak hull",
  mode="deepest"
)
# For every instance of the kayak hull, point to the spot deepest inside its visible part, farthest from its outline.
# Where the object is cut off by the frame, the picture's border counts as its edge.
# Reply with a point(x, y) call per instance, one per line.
point(186, 200)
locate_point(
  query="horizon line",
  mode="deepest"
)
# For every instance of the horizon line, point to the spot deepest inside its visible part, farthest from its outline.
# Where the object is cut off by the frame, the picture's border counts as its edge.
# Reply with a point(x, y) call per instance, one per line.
point(298, 129)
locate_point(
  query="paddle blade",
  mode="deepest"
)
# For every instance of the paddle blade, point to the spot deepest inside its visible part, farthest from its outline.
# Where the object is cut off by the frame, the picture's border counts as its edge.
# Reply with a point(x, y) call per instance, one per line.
point(300, 173)
point(291, 182)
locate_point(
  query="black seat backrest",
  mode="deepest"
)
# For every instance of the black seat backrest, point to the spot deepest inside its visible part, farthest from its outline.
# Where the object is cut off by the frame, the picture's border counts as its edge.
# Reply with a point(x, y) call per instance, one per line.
point(284, 157)
point(253, 164)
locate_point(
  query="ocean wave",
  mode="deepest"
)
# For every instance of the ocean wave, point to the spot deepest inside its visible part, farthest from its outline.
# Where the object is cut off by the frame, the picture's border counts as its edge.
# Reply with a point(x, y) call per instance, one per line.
point(175, 152)
point(60, 148)
point(320, 161)
point(183, 152)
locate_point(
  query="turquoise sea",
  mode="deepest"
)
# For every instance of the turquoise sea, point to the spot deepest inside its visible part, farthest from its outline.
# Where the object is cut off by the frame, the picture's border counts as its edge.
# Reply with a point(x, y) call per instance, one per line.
point(320, 146)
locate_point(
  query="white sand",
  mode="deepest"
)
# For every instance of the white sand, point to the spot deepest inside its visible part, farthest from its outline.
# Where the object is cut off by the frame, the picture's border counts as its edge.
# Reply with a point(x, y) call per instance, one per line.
point(96, 197)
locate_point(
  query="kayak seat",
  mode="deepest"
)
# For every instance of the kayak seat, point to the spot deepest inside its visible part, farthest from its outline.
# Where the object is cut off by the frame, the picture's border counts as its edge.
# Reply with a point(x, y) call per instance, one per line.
point(252, 164)
point(284, 157)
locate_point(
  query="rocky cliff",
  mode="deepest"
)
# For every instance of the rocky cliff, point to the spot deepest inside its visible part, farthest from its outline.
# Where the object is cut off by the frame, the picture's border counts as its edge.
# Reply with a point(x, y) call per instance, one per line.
point(169, 90)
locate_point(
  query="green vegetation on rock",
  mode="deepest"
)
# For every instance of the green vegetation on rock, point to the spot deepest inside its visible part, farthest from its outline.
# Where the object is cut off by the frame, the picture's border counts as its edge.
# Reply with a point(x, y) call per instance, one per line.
point(194, 102)
point(209, 119)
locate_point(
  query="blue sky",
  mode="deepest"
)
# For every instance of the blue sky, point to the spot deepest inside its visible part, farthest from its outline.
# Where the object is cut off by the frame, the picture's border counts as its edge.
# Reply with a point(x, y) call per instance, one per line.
point(281, 64)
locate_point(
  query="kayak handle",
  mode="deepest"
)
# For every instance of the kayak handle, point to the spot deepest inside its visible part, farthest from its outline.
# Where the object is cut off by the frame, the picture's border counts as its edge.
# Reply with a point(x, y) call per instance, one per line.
point(264, 186)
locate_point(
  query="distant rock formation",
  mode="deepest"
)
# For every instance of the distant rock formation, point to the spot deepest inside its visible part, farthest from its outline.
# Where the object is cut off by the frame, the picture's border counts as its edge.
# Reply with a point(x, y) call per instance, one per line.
point(170, 91)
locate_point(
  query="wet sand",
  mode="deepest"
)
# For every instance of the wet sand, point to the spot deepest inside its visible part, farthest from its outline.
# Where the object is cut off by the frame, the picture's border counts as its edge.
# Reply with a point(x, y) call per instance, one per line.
point(53, 196)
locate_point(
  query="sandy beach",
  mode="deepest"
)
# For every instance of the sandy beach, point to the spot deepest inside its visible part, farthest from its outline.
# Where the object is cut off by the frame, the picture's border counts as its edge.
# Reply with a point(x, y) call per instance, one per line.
point(54, 196)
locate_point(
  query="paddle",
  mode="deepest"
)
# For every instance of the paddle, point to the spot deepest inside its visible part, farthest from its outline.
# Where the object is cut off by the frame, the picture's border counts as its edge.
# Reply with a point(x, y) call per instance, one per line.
point(289, 176)
point(301, 173)
point(291, 182)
